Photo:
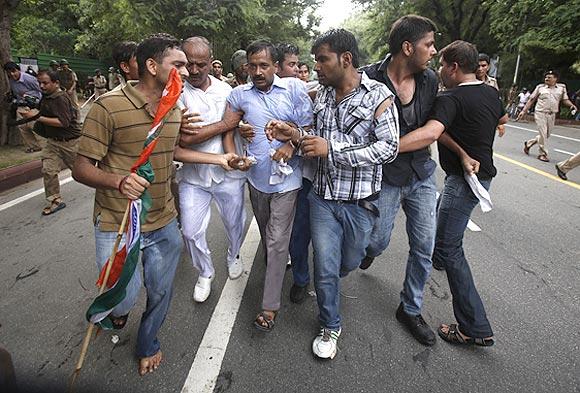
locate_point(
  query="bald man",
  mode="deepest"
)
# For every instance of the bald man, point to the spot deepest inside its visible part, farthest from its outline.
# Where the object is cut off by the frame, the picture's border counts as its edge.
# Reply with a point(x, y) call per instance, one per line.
point(199, 184)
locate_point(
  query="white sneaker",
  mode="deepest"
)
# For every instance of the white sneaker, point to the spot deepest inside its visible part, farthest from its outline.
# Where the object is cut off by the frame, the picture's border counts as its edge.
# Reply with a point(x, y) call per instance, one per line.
point(325, 344)
point(202, 289)
point(236, 268)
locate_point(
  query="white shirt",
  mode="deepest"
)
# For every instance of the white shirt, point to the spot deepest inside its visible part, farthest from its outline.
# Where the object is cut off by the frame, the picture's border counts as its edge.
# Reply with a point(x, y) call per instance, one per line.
point(523, 98)
point(211, 105)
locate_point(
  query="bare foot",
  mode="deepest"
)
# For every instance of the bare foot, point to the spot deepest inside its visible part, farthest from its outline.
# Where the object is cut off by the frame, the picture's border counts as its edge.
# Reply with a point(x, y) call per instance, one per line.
point(150, 363)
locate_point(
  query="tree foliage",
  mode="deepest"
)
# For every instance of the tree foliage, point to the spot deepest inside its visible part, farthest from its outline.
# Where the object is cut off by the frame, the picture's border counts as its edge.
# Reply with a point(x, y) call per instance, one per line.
point(89, 28)
point(546, 31)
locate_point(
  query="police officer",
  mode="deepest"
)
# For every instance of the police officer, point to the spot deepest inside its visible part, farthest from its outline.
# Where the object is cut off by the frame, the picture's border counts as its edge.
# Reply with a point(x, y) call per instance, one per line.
point(548, 96)
point(68, 81)
point(57, 120)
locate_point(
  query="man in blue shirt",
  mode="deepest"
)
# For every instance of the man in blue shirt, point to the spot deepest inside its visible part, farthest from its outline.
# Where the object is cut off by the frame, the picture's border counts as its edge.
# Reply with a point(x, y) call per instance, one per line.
point(273, 181)
point(23, 84)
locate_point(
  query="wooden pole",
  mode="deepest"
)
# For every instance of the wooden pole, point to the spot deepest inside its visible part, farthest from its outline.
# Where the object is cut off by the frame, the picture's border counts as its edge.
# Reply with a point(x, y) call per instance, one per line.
point(87, 339)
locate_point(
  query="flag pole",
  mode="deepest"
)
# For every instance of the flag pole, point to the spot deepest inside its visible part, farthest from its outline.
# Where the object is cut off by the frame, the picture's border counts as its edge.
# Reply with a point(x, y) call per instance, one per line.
point(87, 339)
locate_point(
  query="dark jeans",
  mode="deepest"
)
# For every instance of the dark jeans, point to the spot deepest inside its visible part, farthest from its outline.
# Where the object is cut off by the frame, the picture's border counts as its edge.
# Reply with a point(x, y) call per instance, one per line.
point(300, 239)
point(341, 233)
point(456, 203)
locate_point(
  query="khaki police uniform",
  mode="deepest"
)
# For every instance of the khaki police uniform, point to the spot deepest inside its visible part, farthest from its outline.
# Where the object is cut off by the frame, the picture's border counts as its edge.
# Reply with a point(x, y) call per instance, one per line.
point(547, 106)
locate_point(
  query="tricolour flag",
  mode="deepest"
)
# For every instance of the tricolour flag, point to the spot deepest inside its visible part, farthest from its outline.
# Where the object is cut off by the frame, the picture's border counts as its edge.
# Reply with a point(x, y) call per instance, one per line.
point(126, 259)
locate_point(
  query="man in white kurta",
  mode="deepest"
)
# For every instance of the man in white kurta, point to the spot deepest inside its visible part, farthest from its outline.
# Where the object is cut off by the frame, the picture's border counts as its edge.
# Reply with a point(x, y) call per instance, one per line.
point(199, 184)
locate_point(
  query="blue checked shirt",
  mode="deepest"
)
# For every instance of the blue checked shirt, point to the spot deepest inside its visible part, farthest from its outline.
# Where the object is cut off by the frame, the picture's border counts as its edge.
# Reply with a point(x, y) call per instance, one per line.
point(358, 143)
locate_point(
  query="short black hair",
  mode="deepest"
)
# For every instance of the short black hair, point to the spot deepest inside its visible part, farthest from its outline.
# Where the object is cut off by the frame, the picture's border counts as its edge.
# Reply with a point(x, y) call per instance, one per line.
point(484, 57)
point(304, 64)
point(154, 47)
point(284, 49)
point(463, 53)
point(339, 41)
point(261, 45)
point(53, 75)
point(123, 51)
point(11, 66)
point(409, 28)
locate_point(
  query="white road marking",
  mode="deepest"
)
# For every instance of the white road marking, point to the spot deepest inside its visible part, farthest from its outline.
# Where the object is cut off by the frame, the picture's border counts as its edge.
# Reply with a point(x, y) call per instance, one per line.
point(473, 227)
point(564, 152)
point(535, 132)
point(206, 366)
point(30, 195)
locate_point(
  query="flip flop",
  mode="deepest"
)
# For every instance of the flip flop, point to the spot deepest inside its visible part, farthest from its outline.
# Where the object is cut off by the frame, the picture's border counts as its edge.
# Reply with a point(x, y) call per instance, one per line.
point(264, 323)
point(53, 208)
point(454, 337)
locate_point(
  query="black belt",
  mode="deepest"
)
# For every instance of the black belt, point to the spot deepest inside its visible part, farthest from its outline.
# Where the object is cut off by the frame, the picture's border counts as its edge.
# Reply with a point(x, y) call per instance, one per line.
point(367, 204)
point(64, 139)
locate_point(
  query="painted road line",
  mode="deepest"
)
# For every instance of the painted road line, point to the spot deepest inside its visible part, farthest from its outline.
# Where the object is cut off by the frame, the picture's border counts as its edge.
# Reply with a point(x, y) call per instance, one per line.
point(564, 152)
point(473, 227)
point(552, 135)
point(30, 195)
point(538, 171)
point(206, 366)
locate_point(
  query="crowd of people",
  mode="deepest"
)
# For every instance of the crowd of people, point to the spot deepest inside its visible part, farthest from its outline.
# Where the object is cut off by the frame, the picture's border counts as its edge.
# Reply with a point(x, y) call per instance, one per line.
point(328, 163)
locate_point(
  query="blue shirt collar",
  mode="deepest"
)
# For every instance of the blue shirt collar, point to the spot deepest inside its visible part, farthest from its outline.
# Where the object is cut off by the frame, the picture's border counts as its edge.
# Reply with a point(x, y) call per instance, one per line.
point(276, 83)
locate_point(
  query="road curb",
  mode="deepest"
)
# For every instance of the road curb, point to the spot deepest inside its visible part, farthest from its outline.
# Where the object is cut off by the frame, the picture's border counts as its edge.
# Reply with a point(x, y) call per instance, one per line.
point(19, 174)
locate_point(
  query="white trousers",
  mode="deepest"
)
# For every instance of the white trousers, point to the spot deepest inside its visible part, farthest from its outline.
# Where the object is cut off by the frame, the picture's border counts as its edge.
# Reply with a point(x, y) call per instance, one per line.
point(195, 211)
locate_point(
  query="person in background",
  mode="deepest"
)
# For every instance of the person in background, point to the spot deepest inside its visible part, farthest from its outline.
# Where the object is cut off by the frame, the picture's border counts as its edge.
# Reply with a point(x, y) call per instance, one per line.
point(68, 82)
point(217, 70)
point(547, 97)
point(303, 72)
point(21, 86)
point(482, 71)
point(287, 60)
point(100, 83)
point(125, 59)
point(239, 63)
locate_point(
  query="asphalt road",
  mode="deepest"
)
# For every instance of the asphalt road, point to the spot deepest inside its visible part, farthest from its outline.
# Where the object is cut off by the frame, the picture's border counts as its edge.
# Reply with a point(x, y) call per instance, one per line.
point(525, 260)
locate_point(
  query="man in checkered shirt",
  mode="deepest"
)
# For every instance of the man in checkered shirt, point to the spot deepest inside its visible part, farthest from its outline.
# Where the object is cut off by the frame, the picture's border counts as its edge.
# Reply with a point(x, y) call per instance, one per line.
point(355, 131)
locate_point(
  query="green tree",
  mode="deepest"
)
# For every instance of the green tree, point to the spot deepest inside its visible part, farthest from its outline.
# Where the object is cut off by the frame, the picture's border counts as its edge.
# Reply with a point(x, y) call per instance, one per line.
point(545, 31)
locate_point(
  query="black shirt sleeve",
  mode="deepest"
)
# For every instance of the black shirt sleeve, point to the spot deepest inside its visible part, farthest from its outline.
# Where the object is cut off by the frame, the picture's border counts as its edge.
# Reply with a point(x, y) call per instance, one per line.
point(444, 110)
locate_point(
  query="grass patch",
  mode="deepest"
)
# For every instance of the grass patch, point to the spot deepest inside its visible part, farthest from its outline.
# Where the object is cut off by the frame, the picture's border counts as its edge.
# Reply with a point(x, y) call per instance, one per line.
point(14, 155)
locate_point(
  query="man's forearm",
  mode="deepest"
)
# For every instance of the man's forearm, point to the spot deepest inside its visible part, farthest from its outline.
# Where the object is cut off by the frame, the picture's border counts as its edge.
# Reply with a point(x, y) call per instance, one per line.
point(50, 121)
point(228, 142)
point(452, 145)
point(85, 172)
point(421, 137)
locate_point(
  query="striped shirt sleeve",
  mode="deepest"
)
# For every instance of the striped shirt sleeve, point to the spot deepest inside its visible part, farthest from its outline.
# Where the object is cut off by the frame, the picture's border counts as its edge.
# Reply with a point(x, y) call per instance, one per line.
point(97, 133)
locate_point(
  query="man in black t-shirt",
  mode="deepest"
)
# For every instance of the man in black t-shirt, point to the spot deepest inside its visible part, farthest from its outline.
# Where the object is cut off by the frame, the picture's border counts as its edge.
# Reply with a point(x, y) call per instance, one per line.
point(463, 121)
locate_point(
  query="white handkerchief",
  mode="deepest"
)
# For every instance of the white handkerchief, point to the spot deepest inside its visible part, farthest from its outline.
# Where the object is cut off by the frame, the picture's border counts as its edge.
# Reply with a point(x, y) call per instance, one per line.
point(279, 170)
point(480, 192)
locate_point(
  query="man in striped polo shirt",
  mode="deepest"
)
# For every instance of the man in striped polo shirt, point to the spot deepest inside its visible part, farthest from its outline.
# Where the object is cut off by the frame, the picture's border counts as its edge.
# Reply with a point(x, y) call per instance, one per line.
point(113, 135)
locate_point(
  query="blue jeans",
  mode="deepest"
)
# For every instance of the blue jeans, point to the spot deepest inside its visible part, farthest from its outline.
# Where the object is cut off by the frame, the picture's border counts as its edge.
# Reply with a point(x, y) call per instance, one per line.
point(419, 201)
point(340, 235)
point(300, 239)
point(456, 203)
point(160, 253)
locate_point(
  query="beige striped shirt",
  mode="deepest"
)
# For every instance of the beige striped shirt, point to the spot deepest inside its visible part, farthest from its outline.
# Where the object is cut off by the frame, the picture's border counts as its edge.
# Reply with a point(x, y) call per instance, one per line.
point(113, 134)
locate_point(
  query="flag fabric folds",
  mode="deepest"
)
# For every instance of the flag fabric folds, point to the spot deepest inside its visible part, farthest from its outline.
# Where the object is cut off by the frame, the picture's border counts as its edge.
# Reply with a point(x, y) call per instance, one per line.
point(126, 259)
